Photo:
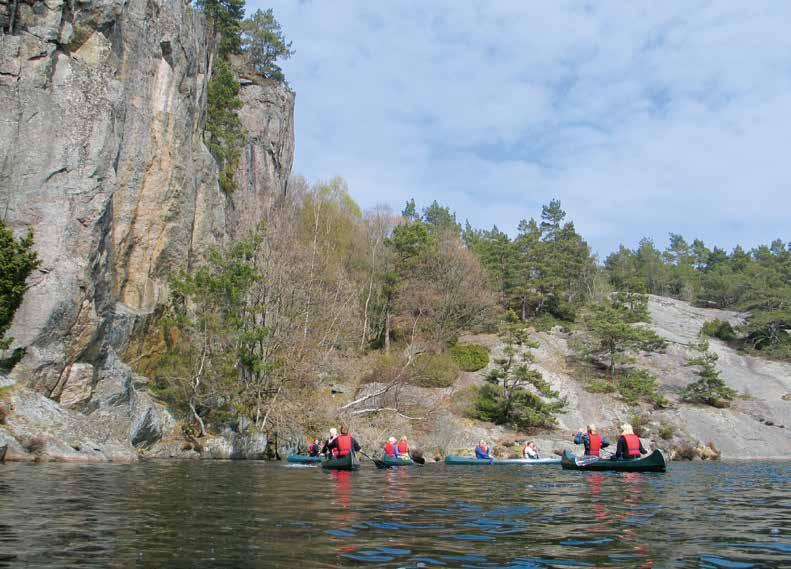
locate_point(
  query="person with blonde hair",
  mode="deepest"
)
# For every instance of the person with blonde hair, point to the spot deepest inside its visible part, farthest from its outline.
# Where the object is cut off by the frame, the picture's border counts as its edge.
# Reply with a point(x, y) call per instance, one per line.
point(482, 451)
point(390, 448)
point(325, 450)
point(629, 446)
point(592, 440)
point(403, 446)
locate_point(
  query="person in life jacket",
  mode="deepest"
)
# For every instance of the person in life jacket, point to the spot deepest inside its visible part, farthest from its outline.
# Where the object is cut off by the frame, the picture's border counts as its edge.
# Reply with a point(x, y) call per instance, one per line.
point(530, 451)
point(629, 445)
point(592, 440)
point(403, 447)
point(326, 450)
point(344, 443)
point(314, 449)
point(391, 448)
point(482, 451)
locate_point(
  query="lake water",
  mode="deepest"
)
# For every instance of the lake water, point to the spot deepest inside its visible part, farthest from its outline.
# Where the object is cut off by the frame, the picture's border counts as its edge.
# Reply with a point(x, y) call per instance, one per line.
point(255, 514)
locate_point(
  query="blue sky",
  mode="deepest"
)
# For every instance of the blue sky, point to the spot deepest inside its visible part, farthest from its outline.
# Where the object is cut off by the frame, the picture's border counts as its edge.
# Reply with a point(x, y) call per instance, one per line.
point(642, 118)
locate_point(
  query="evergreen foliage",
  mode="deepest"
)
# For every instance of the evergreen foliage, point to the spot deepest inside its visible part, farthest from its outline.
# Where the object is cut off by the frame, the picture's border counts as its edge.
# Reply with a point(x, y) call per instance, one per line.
point(263, 44)
point(758, 281)
point(611, 337)
point(17, 261)
point(710, 388)
point(470, 357)
point(225, 17)
point(225, 134)
point(720, 329)
point(507, 398)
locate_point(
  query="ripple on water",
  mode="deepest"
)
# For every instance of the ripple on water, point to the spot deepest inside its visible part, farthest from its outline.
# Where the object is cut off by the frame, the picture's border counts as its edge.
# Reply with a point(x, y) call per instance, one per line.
point(230, 515)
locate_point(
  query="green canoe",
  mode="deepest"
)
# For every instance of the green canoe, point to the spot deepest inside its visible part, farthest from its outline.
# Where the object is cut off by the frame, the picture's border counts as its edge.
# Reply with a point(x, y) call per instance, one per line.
point(303, 458)
point(397, 461)
point(469, 460)
point(348, 462)
point(654, 462)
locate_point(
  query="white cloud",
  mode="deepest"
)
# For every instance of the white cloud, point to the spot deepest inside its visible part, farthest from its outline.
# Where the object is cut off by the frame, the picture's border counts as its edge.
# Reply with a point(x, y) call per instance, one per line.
point(642, 119)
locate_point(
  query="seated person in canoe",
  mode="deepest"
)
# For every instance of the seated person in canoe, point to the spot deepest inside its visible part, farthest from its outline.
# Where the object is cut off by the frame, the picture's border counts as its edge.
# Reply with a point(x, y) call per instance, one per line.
point(403, 447)
point(325, 450)
point(314, 449)
point(344, 443)
point(482, 451)
point(592, 440)
point(629, 445)
point(530, 451)
point(391, 448)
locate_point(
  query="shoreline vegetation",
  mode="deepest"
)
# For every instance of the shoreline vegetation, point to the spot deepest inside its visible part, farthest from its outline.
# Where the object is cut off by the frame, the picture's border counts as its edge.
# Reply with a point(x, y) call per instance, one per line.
point(326, 312)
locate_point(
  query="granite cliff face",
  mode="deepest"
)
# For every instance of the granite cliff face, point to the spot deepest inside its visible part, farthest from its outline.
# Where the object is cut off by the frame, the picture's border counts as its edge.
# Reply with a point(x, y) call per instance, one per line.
point(102, 155)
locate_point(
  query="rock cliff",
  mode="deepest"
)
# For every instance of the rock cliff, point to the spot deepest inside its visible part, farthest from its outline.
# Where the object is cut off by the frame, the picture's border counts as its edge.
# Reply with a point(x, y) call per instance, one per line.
point(102, 155)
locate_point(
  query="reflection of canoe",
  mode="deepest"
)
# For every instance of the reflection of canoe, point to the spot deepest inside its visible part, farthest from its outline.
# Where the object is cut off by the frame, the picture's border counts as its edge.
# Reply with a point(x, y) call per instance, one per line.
point(469, 460)
point(348, 462)
point(400, 461)
point(303, 458)
point(3, 450)
point(654, 462)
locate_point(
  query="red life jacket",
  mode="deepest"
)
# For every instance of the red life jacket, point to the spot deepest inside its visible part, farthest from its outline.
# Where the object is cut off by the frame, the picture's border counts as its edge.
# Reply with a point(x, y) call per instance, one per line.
point(403, 447)
point(334, 451)
point(390, 449)
point(344, 444)
point(632, 445)
point(595, 445)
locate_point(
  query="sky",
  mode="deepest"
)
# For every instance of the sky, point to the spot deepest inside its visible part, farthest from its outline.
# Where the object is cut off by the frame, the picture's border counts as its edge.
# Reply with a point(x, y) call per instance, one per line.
point(643, 118)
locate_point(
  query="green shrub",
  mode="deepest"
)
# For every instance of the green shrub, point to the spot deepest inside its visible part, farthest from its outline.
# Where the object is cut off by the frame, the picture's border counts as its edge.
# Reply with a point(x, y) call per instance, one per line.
point(17, 261)
point(666, 431)
point(523, 410)
point(431, 370)
point(470, 357)
point(225, 134)
point(636, 385)
point(718, 329)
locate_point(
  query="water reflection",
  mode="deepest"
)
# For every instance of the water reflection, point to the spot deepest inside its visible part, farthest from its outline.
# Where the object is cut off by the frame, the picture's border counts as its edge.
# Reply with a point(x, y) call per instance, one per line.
point(247, 514)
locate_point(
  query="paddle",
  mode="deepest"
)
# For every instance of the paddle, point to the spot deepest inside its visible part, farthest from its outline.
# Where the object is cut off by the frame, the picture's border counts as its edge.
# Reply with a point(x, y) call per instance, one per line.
point(381, 464)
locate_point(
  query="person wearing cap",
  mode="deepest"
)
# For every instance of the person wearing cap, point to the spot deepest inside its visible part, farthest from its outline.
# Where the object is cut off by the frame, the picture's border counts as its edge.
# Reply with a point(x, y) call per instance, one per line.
point(391, 448)
point(592, 440)
point(629, 445)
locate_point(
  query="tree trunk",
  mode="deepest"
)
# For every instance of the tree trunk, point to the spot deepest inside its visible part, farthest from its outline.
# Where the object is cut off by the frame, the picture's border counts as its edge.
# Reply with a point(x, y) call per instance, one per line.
point(198, 418)
point(387, 330)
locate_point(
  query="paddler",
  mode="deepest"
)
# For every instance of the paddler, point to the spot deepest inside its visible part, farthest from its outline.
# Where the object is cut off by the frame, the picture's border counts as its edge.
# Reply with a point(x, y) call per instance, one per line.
point(343, 443)
point(530, 451)
point(326, 450)
point(403, 447)
point(314, 449)
point(592, 440)
point(391, 448)
point(629, 445)
point(482, 451)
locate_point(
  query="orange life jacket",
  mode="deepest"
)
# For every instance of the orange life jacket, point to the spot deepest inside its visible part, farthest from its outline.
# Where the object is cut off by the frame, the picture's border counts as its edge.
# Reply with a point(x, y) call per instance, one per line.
point(595, 445)
point(403, 447)
point(632, 446)
point(390, 449)
point(344, 444)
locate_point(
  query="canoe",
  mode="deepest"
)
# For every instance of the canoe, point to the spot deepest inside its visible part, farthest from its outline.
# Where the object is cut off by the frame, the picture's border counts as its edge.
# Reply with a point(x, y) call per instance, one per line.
point(348, 462)
point(654, 462)
point(400, 461)
point(469, 460)
point(303, 458)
